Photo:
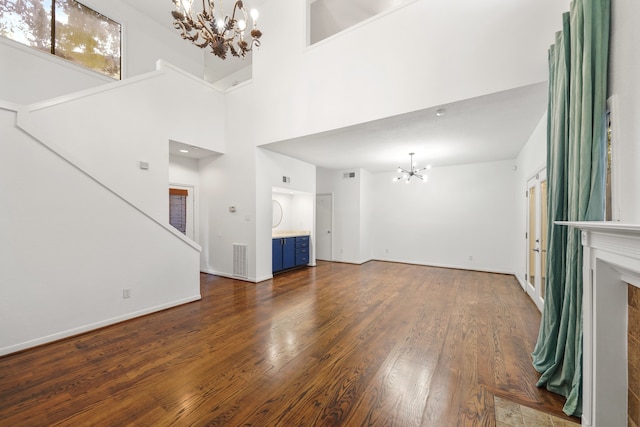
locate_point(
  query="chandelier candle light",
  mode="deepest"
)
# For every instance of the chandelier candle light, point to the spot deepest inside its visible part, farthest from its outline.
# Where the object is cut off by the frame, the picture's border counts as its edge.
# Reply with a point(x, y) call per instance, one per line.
point(211, 27)
point(413, 171)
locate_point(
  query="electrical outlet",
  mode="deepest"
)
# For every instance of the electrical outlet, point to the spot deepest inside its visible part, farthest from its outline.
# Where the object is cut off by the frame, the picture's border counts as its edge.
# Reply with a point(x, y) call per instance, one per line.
point(470, 257)
point(126, 293)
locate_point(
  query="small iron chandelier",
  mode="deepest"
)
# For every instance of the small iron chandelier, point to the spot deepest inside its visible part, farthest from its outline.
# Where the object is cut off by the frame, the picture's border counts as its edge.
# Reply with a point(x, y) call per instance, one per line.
point(223, 33)
point(413, 171)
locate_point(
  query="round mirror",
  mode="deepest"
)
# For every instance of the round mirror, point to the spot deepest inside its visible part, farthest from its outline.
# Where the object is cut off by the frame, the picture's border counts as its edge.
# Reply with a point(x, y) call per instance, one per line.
point(276, 217)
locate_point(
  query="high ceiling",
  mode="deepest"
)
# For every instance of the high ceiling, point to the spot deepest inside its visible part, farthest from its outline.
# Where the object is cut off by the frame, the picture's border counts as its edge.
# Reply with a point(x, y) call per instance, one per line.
point(215, 68)
point(487, 128)
point(327, 17)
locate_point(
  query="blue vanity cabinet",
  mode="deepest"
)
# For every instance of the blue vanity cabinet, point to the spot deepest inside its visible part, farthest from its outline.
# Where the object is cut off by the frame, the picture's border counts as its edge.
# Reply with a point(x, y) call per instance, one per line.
point(289, 252)
point(276, 255)
point(283, 253)
point(302, 250)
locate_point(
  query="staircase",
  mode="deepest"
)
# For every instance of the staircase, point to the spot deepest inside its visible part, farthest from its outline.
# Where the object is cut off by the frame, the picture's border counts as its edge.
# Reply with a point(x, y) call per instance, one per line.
point(84, 234)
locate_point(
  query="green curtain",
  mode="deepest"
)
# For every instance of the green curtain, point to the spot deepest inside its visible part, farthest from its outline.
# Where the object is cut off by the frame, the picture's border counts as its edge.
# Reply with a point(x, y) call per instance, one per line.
point(576, 154)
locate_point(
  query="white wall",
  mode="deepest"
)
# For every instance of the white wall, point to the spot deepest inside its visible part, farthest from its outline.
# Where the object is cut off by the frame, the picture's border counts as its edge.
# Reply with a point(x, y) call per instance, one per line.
point(367, 206)
point(298, 90)
point(346, 212)
point(285, 201)
point(624, 86)
point(69, 246)
point(244, 177)
point(226, 181)
point(88, 242)
point(303, 212)
point(461, 212)
point(431, 63)
point(270, 167)
point(183, 171)
point(219, 228)
point(28, 75)
point(297, 211)
point(109, 130)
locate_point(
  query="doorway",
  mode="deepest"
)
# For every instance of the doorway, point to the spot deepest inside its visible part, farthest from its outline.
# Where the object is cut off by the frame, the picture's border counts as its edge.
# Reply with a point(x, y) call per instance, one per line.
point(182, 212)
point(324, 227)
point(537, 237)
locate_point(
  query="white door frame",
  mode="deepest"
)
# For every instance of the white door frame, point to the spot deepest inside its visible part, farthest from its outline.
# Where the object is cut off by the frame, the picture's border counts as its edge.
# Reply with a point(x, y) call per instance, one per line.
point(534, 239)
point(320, 234)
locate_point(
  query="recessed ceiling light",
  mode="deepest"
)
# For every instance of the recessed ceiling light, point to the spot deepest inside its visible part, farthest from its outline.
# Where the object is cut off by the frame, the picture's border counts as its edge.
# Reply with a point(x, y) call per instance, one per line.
point(184, 151)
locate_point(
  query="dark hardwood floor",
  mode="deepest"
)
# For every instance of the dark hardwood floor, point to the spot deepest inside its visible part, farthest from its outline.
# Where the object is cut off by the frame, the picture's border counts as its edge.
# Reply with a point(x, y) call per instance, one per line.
point(339, 345)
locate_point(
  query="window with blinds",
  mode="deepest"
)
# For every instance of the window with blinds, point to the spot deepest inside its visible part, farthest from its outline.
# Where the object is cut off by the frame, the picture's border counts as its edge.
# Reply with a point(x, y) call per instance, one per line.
point(178, 209)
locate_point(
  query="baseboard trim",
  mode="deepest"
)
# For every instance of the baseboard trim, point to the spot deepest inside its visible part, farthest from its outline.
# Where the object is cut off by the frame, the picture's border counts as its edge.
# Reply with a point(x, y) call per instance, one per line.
point(342, 261)
point(451, 266)
point(231, 276)
point(93, 326)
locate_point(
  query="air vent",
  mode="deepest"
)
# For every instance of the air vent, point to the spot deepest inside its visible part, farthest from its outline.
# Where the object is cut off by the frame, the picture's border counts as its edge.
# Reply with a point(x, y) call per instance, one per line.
point(349, 175)
point(240, 262)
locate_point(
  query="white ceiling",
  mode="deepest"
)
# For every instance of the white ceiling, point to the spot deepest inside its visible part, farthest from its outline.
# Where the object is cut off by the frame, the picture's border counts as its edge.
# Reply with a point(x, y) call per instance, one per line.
point(487, 128)
point(177, 148)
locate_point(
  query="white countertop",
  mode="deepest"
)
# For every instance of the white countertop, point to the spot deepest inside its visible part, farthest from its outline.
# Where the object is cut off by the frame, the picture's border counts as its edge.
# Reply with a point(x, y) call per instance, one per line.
point(289, 233)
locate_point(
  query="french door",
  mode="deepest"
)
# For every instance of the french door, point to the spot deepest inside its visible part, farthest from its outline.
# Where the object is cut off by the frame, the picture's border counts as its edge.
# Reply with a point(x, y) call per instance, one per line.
point(537, 237)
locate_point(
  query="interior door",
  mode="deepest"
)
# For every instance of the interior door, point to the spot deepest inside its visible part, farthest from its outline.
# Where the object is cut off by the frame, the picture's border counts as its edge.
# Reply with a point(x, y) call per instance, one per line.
point(537, 237)
point(324, 226)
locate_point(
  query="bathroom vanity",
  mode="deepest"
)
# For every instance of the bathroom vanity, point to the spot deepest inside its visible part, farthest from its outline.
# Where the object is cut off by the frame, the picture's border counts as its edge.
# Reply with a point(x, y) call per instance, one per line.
point(289, 250)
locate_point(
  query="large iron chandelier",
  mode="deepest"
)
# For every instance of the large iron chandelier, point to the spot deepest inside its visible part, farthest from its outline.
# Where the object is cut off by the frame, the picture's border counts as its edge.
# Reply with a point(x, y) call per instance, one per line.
point(413, 171)
point(211, 27)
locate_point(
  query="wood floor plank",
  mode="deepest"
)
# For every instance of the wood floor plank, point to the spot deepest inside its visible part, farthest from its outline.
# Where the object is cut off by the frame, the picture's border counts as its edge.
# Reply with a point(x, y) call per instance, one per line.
point(377, 344)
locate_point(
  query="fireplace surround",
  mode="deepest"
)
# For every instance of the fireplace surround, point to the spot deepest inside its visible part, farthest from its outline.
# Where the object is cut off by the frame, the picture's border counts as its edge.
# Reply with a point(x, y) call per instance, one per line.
point(611, 262)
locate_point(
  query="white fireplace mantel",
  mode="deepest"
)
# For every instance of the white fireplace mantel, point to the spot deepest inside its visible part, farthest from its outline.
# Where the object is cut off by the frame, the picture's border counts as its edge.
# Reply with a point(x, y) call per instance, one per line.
point(611, 260)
